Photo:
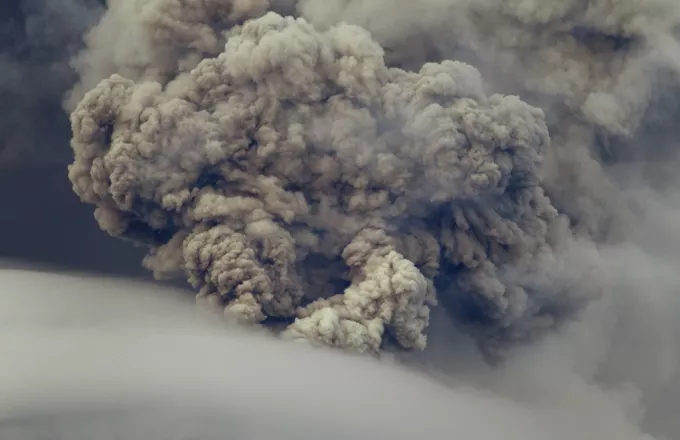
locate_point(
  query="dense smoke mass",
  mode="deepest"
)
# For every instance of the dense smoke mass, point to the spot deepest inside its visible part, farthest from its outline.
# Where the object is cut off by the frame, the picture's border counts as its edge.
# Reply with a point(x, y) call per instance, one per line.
point(340, 169)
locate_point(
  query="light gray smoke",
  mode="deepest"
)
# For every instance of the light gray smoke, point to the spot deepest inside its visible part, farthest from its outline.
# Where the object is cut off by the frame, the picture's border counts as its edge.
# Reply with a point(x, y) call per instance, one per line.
point(88, 357)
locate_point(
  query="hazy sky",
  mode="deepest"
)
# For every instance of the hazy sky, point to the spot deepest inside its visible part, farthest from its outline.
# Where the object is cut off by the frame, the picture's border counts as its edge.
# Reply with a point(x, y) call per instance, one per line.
point(42, 220)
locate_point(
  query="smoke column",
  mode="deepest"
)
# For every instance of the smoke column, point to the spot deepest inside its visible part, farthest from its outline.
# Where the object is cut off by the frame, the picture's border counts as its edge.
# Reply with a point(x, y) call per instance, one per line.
point(292, 174)
point(338, 171)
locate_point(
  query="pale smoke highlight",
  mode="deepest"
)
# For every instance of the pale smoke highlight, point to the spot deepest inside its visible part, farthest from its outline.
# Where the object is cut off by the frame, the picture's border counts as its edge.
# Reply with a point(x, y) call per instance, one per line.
point(88, 357)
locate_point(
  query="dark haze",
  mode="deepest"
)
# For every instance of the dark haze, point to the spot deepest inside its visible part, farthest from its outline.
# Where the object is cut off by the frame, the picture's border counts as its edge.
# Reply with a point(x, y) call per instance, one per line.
point(41, 220)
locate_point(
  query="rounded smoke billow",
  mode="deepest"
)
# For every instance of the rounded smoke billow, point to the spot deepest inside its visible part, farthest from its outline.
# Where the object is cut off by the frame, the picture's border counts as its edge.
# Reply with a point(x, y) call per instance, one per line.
point(312, 171)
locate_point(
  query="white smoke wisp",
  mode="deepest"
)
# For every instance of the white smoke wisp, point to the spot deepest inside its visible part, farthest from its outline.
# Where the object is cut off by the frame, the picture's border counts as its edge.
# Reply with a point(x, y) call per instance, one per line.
point(89, 357)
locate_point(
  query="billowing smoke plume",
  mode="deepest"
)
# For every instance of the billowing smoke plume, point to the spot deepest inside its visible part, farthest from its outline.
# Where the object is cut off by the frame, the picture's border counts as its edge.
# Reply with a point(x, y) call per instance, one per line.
point(337, 168)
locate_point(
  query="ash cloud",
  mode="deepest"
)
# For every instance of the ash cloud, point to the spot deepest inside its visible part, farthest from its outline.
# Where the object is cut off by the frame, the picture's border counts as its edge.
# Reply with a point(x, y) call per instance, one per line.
point(377, 175)
point(243, 146)
point(339, 171)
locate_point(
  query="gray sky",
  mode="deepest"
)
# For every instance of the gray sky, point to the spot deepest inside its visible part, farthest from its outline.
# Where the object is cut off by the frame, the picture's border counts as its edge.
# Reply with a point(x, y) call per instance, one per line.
point(41, 219)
